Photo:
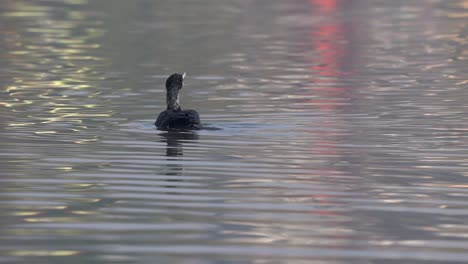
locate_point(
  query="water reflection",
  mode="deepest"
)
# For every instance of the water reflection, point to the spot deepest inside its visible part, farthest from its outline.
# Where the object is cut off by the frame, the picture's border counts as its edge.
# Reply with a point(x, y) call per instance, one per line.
point(332, 85)
point(49, 71)
point(52, 68)
point(174, 141)
point(342, 132)
point(174, 148)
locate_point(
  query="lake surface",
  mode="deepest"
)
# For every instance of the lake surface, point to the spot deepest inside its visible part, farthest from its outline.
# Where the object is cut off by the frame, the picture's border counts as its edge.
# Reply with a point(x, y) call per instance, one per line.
point(341, 135)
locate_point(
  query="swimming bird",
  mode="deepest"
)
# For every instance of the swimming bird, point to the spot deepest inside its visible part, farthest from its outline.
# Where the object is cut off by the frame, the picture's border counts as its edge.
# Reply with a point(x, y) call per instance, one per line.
point(174, 118)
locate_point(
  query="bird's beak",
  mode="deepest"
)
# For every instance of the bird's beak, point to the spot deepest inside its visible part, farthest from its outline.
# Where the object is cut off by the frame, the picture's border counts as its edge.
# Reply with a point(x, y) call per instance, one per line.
point(183, 75)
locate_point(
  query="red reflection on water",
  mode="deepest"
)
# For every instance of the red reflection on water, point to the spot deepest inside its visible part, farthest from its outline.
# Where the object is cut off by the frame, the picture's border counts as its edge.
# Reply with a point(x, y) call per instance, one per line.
point(329, 41)
point(326, 5)
point(330, 50)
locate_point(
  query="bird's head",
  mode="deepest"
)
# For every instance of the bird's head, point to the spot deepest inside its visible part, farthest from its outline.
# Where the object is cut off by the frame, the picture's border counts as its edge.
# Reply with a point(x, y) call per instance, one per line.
point(175, 81)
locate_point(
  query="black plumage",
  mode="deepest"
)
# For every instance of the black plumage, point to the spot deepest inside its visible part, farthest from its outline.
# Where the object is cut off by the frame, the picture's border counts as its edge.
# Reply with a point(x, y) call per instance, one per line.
point(178, 120)
point(174, 118)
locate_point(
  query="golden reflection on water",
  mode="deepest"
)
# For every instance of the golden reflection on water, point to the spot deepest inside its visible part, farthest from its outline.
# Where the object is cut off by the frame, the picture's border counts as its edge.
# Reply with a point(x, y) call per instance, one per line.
point(49, 219)
point(84, 212)
point(44, 253)
point(48, 57)
point(461, 11)
point(26, 213)
point(52, 68)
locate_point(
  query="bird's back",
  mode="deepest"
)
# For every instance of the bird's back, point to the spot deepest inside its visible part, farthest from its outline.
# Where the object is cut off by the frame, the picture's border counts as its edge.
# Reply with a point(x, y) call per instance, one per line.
point(178, 120)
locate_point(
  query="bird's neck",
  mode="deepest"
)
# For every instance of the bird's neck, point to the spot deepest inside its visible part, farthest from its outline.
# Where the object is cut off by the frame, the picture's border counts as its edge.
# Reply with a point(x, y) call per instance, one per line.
point(172, 98)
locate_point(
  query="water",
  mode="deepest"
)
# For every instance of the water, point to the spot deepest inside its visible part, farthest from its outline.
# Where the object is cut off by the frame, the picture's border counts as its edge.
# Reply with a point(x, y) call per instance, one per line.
point(341, 138)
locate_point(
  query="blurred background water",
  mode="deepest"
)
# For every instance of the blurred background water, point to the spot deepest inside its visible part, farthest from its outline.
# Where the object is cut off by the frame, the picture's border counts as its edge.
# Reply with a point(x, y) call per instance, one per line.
point(343, 131)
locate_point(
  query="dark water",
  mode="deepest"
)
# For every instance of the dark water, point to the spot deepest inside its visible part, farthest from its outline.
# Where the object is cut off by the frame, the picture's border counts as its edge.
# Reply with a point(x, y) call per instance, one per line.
point(343, 132)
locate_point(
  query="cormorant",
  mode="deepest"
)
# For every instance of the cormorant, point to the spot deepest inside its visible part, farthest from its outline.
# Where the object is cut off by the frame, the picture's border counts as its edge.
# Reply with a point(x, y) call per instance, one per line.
point(174, 118)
